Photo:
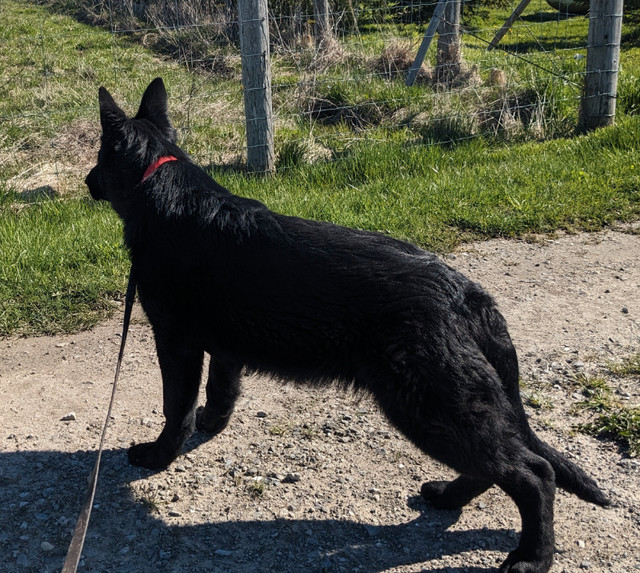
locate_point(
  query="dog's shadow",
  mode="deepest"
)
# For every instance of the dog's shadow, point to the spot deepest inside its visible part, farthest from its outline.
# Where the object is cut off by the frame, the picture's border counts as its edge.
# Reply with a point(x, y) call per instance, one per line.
point(41, 493)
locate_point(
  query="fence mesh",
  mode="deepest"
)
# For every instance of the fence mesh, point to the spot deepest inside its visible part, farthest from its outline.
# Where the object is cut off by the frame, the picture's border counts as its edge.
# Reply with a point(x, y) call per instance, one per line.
point(326, 98)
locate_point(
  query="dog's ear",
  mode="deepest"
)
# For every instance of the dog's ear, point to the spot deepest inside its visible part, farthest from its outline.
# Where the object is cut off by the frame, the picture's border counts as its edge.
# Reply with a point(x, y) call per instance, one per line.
point(154, 107)
point(111, 116)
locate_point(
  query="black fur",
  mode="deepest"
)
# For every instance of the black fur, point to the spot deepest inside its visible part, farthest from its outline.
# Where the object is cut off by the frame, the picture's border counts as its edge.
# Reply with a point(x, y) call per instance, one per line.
point(318, 303)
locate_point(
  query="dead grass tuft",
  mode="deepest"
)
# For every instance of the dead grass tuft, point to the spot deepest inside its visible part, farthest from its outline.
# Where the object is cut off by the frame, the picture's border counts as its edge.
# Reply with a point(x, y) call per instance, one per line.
point(58, 165)
point(329, 55)
point(330, 110)
point(511, 114)
point(396, 59)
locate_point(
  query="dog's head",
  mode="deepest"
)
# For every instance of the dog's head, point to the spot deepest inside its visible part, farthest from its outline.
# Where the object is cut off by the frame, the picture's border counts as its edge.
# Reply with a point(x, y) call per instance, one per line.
point(130, 145)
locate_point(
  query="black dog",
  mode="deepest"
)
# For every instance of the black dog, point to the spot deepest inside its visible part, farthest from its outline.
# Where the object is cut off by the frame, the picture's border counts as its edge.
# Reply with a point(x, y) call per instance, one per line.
point(318, 303)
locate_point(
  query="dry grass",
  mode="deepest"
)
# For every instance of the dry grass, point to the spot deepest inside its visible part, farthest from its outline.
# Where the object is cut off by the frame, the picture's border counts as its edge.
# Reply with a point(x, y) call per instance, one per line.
point(329, 55)
point(56, 166)
point(396, 59)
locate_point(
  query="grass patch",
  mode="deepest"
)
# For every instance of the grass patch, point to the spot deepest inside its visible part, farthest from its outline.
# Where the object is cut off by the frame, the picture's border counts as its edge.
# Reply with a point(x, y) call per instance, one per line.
point(437, 196)
point(62, 264)
point(256, 487)
point(619, 424)
point(356, 146)
point(630, 366)
point(613, 420)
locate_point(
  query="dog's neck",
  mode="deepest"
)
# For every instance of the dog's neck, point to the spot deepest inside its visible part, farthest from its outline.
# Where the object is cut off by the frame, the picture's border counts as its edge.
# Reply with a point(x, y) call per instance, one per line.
point(157, 163)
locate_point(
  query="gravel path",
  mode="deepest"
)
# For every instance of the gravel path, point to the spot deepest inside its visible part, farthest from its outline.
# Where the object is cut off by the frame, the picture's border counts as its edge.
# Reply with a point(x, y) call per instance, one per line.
point(303, 480)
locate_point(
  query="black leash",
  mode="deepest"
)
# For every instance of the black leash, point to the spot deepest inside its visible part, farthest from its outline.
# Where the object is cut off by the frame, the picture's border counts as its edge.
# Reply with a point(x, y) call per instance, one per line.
point(80, 531)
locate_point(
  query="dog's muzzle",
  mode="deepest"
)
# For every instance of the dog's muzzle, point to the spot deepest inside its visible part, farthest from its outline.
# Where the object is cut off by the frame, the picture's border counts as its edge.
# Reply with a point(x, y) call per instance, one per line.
point(91, 182)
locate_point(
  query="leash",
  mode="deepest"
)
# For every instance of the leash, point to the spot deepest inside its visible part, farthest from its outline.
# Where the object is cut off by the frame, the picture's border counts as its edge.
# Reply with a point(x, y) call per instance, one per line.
point(80, 531)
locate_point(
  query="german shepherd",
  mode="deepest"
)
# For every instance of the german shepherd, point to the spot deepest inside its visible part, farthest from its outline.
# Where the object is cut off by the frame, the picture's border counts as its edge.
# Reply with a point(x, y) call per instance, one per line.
point(318, 303)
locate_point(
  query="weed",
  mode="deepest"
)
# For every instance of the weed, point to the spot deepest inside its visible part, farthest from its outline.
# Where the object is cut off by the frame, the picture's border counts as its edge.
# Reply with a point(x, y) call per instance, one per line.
point(256, 487)
point(596, 391)
point(619, 424)
point(630, 366)
point(149, 498)
point(538, 401)
point(308, 432)
point(279, 430)
point(614, 421)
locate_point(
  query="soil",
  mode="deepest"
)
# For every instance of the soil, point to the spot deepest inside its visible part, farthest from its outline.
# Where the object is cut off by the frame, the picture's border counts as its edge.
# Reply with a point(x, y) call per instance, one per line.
point(307, 480)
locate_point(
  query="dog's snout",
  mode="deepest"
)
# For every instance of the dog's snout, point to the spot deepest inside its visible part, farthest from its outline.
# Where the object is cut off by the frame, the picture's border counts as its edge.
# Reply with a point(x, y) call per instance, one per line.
point(91, 181)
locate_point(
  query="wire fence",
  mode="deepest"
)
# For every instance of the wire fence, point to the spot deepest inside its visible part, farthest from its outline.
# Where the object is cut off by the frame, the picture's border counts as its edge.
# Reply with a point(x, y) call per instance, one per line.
point(328, 95)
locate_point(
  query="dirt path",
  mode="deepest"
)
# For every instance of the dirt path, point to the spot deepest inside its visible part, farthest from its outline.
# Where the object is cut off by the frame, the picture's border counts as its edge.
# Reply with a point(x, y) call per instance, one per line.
point(317, 481)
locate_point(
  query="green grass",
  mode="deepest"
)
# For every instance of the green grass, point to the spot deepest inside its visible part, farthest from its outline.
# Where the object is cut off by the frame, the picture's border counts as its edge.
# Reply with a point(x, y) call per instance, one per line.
point(61, 264)
point(630, 366)
point(435, 196)
point(400, 172)
point(62, 259)
point(613, 420)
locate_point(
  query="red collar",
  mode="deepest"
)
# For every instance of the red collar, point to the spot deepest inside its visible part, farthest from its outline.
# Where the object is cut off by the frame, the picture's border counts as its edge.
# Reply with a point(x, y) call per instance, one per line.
point(157, 163)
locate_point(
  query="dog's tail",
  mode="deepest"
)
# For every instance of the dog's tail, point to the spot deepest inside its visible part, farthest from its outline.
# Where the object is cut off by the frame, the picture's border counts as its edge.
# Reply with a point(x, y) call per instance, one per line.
point(569, 476)
point(495, 343)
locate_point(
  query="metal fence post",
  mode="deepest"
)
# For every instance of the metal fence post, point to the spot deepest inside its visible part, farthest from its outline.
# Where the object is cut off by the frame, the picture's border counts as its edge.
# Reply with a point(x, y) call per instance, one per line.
point(426, 42)
point(598, 104)
point(256, 82)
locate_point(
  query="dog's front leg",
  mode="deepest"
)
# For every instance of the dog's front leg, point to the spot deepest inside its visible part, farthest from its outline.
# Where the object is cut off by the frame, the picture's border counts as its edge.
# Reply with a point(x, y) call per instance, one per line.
point(223, 388)
point(181, 367)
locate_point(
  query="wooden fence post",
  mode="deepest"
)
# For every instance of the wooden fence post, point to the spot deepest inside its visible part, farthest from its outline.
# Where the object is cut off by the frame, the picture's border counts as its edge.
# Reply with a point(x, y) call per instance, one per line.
point(322, 28)
point(449, 53)
point(256, 82)
point(598, 103)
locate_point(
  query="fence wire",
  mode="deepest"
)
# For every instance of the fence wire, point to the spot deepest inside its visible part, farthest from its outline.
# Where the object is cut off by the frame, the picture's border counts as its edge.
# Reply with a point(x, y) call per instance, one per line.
point(325, 99)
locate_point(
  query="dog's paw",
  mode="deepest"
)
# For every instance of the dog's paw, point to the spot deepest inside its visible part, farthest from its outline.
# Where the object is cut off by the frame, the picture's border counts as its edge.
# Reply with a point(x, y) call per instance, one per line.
point(211, 424)
point(434, 493)
point(149, 455)
point(514, 563)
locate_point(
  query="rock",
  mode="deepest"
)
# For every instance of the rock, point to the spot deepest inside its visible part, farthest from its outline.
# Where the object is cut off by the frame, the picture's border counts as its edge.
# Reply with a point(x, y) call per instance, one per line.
point(222, 552)
point(70, 417)
point(46, 546)
point(372, 530)
point(291, 478)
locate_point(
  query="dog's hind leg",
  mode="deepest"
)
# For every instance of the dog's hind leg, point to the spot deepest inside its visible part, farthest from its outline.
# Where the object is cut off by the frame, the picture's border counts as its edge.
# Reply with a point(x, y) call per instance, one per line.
point(223, 388)
point(529, 480)
point(493, 340)
point(459, 414)
point(181, 367)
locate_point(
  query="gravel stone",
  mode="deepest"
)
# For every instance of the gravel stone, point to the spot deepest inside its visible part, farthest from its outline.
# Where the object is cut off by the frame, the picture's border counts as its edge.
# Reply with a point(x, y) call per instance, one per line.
point(358, 507)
